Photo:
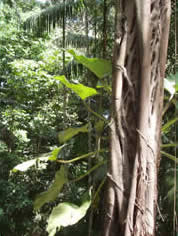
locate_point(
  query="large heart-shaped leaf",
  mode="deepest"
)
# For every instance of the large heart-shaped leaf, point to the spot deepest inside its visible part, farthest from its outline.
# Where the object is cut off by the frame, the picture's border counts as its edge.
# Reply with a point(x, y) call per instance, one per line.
point(70, 132)
point(81, 90)
point(53, 191)
point(66, 214)
point(99, 67)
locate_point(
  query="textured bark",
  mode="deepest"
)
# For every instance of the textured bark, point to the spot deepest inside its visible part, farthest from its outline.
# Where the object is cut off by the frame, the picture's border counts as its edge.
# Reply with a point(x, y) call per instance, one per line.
point(139, 58)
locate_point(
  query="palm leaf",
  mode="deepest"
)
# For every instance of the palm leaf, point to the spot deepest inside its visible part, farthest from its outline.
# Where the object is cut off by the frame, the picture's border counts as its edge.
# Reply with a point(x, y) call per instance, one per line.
point(49, 18)
point(75, 40)
point(78, 40)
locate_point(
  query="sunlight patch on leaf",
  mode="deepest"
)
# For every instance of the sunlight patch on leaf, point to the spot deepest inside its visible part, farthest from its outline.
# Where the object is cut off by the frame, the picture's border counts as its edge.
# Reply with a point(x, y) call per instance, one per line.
point(39, 162)
point(169, 86)
point(53, 191)
point(171, 83)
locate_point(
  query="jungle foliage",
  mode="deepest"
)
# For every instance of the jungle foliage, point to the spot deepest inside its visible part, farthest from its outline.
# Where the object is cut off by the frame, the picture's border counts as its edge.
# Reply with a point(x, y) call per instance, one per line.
point(55, 98)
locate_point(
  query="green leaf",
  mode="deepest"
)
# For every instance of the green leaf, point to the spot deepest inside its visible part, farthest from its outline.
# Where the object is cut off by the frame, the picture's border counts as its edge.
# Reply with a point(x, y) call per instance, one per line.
point(171, 157)
point(27, 164)
point(81, 90)
point(168, 124)
point(66, 214)
point(70, 132)
point(53, 191)
point(99, 67)
point(55, 152)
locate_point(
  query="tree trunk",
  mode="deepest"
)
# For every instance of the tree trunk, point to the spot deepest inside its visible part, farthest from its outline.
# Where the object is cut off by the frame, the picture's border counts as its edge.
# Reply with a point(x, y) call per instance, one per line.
point(139, 58)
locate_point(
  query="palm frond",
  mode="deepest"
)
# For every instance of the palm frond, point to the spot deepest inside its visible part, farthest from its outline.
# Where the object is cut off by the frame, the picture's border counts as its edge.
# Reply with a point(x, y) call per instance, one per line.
point(78, 40)
point(75, 40)
point(49, 18)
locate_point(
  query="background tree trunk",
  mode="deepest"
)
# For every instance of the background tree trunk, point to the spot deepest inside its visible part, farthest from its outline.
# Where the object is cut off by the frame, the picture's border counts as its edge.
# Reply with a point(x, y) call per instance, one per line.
point(139, 58)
